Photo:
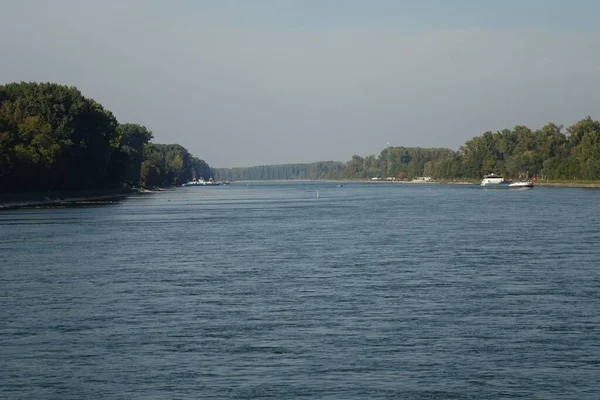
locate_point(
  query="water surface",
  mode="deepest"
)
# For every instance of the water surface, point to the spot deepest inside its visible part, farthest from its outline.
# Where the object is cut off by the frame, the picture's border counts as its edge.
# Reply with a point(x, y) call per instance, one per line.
point(268, 291)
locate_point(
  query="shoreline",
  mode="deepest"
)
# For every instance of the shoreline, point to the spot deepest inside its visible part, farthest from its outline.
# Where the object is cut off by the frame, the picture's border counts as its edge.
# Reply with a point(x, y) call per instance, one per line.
point(576, 184)
point(580, 185)
point(64, 199)
point(71, 198)
point(570, 185)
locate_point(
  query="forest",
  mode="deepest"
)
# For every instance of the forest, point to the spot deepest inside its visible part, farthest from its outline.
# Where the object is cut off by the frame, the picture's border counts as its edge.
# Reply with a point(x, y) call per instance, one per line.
point(54, 138)
point(550, 153)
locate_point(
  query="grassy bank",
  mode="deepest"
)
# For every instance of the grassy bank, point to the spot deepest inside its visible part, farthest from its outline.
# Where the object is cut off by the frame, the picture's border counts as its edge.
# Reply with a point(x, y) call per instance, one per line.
point(553, 183)
point(566, 183)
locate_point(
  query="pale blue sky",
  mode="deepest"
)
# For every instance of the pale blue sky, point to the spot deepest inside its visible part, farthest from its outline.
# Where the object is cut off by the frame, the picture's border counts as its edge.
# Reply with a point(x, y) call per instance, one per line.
point(258, 82)
point(410, 15)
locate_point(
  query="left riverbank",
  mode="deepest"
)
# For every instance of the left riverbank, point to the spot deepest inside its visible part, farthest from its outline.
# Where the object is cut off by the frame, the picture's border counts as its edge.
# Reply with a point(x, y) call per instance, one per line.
point(64, 198)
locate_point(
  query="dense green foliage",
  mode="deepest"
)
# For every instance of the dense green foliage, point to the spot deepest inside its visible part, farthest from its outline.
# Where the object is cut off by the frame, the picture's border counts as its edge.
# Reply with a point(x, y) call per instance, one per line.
point(54, 138)
point(133, 139)
point(547, 152)
point(550, 153)
point(170, 164)
point(395, 162)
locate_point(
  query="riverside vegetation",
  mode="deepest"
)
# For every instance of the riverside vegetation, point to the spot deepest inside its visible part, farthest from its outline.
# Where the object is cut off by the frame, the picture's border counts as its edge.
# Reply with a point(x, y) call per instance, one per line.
point(552, 153)
point(52, 138)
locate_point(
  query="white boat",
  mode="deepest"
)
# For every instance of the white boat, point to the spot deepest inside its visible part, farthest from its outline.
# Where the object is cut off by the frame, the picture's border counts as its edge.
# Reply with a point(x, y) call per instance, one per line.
point(497, 181)
point(493, 180)
point(201, 182)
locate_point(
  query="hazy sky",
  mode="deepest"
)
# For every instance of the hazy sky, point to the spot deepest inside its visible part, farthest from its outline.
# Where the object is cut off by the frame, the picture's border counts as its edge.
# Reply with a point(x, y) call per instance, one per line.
point(250, 82)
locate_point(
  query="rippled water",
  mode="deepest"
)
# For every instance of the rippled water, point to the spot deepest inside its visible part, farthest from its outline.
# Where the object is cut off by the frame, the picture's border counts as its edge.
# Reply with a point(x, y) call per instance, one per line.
point(257, 291)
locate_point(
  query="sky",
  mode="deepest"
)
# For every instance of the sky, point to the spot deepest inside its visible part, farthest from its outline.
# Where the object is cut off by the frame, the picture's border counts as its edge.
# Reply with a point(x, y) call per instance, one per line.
point(254, 82)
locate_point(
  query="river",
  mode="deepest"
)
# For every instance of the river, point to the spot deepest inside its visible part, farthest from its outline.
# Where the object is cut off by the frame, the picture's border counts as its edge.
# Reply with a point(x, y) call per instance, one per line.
point(305, 290)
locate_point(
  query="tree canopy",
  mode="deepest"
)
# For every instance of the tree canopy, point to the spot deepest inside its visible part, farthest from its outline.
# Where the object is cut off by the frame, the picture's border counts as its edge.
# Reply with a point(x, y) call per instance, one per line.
point(54, 138)
point(551, 152)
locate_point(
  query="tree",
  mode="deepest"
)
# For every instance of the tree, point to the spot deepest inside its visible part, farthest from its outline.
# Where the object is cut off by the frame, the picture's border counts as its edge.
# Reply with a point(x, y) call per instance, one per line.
point(54, 136)
point(355, 167)
point(131, 141)
point(578, 130)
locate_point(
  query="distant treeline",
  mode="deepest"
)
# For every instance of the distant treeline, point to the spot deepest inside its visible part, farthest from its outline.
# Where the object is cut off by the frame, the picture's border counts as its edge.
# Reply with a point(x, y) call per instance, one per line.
point(551, 152)
point(54, 138)
point(318, 170)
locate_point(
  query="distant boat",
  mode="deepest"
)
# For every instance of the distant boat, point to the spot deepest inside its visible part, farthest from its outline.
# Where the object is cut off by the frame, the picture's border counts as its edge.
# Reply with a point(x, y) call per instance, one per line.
point(340, 185)
point(201, 182)
point(498, 182)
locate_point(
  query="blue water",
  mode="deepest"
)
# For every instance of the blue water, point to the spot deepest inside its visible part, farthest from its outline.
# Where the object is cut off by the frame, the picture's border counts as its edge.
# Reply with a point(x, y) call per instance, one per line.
point(264, 291)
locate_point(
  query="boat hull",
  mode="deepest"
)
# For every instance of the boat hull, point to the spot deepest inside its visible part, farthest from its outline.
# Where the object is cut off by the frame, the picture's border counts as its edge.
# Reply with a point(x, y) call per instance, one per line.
point(507, 185)
point(503, 185)
point(520, 185)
